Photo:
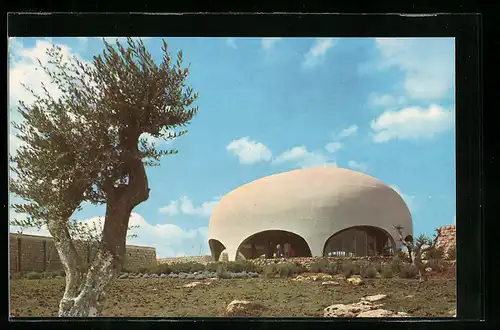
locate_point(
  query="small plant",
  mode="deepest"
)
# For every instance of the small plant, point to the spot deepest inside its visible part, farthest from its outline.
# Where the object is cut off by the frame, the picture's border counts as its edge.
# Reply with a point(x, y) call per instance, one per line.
point(320, 266)
point(437, 265)
point(369, 272)
point(239, 266)
point(270, 270)
point(408, 271)
point(33, 276)
point(377, 266)
point(212, 267)
point(222, 271)
point(350, 268)
point(451, 254)
point(387, 271)
point(396, 264)
point(434, 253)
point(187, 267)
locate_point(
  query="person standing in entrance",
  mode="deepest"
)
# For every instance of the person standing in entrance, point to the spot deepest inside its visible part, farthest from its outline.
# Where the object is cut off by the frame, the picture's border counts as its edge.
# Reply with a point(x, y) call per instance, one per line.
point(278, 251)
point(286, 250)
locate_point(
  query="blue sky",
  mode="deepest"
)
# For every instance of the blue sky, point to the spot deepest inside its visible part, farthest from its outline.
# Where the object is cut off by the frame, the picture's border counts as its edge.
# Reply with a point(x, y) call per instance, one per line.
point(380, 106)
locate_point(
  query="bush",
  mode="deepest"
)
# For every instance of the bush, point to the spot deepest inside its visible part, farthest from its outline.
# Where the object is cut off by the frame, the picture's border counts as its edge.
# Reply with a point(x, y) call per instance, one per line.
point(222, 271)
point(212, 267)
point(350, 268)
point(33, 276)
point(321, 266)
point(239, 266)
point(369, 272)
point(451, 254)
point(187, 267)
point(434, 253)
point(289, 269)
point(386, 271)
point(402, 255)
point(377, 266)
point(396, 265)
point(437, 265)
point(408, 271)
point(157, 269)
point(270, 270)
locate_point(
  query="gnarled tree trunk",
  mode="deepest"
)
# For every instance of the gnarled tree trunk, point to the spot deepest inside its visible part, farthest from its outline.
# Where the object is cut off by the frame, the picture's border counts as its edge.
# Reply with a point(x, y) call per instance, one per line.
point(85, 295)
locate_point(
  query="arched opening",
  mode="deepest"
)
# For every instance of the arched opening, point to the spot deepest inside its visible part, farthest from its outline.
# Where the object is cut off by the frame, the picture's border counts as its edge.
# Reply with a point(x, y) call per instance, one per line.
point(216, 248)
point(264, 244)
point(360, 241)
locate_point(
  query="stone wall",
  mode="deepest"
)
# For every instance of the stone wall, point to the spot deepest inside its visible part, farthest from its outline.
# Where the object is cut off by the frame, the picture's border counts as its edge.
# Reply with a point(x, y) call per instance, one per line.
point(447, 238)
point(177, 260)
point(29, 253)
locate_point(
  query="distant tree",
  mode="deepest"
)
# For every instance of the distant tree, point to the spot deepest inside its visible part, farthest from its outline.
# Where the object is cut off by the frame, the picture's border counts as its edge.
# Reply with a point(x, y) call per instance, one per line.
point(88, 145)
point(416, 248)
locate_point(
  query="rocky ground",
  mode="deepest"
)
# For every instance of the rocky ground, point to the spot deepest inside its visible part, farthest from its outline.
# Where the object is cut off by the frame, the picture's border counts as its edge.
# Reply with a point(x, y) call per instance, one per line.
point(307, 295)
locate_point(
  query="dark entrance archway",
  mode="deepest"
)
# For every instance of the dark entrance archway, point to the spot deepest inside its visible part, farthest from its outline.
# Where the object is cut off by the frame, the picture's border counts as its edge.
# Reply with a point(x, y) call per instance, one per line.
point(264, 243)
point(216, 248)
point(360, 241)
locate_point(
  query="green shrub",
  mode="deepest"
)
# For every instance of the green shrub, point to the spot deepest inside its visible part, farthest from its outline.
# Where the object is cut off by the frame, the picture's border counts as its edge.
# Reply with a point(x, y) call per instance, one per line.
point(437, 265)
point(386, 271)
point(396, 264)
point(369, 272)
point(408, 271)
point(212, 267)
point(350, 268)
point(377, 266)
point(187, 267)
point(451, 254)
point(270, 270)
point(239, 266)
point(222, 271)
point(320, 266)
point(33, 276)
point(434, 253)
point(403, 255)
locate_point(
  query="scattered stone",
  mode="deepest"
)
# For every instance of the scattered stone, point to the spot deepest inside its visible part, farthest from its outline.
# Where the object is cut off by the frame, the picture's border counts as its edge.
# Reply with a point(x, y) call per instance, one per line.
point(199, 277)
point(376, 313)
point(122, 276)
point(355, 280)
point(58, 277)
point(145, 276)
point(376, 297)
point(243, 308)
point(330, 283)
point(195, 284)
point(428, 269)
point(253, 274)
point(163, 276)
point(410, 296)
point(190, 277)
point(154, 276)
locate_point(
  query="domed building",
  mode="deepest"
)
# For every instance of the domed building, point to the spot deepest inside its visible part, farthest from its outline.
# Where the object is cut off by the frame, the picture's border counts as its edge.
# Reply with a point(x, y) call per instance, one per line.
point(318, 211)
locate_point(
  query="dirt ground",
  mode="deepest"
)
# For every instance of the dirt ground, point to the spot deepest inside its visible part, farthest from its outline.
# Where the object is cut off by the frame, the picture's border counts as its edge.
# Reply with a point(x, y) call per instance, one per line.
point(281, 297)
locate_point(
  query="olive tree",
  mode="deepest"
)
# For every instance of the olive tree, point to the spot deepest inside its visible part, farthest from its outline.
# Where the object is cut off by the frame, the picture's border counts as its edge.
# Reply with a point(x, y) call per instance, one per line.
point(89, 145)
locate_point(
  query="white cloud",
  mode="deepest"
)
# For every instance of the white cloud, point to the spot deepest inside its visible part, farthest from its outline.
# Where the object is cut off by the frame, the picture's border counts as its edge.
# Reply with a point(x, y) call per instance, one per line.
point(231, 43)
point(357, 166)
point(318, 51)
point(427, 63)
point(303, 158)
point(186, 206)
point(268, 43)
point(349, 131)
point(409, 200)
point(333, 146)
point(120, 39)
point(169, 240)
point(249, 151)
point(412, 123)
point(386, 100)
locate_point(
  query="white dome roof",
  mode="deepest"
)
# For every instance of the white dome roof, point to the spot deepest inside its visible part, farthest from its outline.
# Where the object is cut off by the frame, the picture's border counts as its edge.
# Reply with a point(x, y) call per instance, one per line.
point(313, 203)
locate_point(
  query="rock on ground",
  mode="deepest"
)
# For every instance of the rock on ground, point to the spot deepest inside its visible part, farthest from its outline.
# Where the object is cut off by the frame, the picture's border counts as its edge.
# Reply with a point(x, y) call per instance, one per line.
point(330, 283)
point(195, 284)
point(355, 280)
point(364, 308)
point(243, 308)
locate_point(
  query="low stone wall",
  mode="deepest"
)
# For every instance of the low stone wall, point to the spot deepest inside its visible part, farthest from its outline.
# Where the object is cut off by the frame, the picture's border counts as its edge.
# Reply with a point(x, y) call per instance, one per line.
point(447, 239)
point(177, 260)
point(306, 262)
point(30, 253)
